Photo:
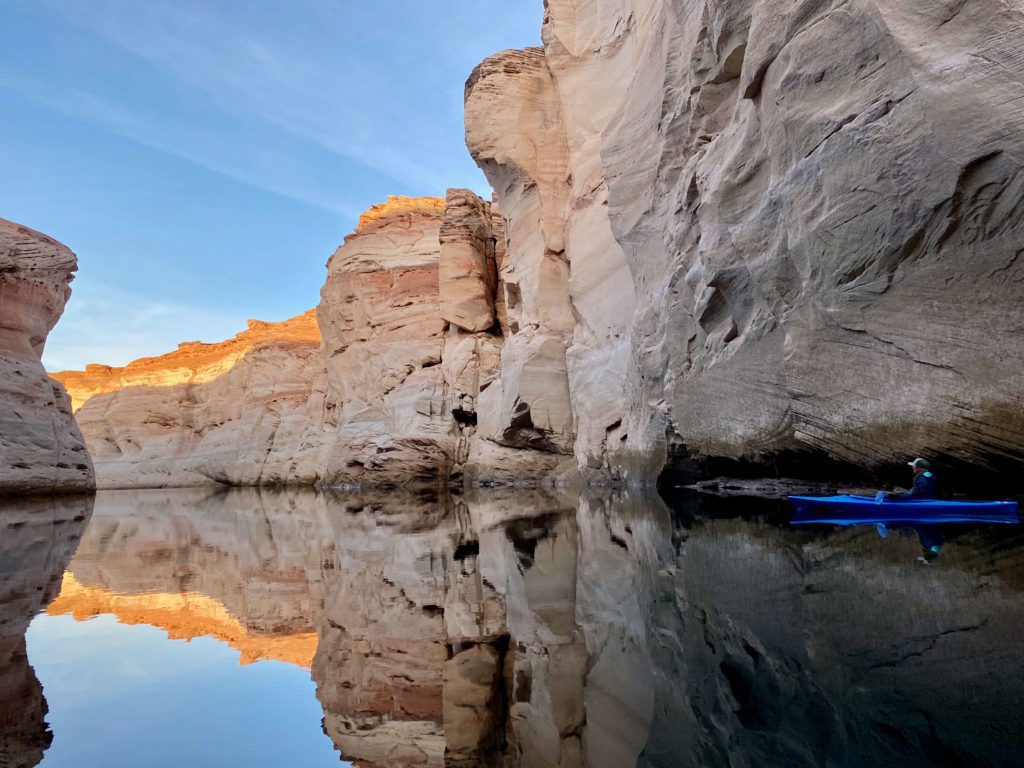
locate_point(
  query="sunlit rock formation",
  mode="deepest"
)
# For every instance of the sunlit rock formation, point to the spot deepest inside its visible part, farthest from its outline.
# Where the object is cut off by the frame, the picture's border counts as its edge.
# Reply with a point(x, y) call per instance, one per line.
point(246, 411)
point(411, 339)
point(467, 274)
point(37, 538)
point(759, 231)
point(379, 385)
point(41, 448)
point(242, 568)
point(383, 341)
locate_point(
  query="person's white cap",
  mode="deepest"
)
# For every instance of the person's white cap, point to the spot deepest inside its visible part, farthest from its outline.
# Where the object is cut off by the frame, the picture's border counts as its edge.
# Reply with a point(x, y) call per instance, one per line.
point(919, 463)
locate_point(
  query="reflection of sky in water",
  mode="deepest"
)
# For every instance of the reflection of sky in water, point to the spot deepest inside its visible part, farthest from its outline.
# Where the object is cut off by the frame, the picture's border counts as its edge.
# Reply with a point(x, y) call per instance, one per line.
point(127, 696)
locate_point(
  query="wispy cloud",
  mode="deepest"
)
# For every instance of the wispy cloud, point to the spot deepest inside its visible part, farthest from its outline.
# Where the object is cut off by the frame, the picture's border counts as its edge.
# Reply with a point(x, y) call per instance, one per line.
point(306, 69)
point(264, 165)
point(106, 325)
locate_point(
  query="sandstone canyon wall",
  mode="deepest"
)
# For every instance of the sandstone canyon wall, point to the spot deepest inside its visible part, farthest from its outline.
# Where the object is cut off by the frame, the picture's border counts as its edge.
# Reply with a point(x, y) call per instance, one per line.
point(755, 231)
point(727, 237)
point(393, 379)
point(41, 448)
point(403, 374)
point(244, 411)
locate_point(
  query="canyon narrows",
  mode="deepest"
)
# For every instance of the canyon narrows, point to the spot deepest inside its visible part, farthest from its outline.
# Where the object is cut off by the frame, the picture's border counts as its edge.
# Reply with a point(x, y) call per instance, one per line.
point(787, 233)
point(468, 510)
point(730, 238)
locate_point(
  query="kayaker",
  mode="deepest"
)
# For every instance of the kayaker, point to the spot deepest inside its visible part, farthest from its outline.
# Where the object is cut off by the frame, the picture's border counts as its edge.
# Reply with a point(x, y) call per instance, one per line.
point(931, 539)
point(924, 482)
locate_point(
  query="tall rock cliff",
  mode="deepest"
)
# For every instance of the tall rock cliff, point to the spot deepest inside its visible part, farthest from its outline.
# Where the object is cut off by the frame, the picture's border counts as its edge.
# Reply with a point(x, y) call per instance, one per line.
point(246, 411)
point(407, 353)
point(764, 233)
point(41, 448)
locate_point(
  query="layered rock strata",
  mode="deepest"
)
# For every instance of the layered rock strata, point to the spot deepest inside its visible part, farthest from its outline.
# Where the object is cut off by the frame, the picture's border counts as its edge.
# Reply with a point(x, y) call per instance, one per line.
point(765, 232)
point(246, 411)
point(402, 380)
point(41, 448)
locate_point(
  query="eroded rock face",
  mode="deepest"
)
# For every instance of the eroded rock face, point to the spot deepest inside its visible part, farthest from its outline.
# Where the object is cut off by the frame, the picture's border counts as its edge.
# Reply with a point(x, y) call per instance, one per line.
point(785, 230)
point(246, 411)
point(467, 276)
point(405, 362)
point(41, 448)
point(37, 538)
point(514, 130)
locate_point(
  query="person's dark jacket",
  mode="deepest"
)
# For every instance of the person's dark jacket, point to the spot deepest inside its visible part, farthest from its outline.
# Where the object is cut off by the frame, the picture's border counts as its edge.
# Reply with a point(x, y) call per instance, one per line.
point(924, 488)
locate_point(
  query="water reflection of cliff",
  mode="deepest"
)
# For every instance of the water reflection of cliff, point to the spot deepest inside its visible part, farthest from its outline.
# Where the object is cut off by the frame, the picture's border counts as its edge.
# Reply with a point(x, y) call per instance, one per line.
point(243, 567)
point(538, 629)
point(37, 538)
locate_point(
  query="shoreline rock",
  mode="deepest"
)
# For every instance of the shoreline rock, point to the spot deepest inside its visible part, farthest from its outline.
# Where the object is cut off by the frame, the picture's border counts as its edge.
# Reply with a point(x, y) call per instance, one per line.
point(41, 447)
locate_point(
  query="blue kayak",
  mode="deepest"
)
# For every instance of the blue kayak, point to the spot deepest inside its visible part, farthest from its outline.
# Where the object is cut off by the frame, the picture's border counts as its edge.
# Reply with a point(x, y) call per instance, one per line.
point(853, 510)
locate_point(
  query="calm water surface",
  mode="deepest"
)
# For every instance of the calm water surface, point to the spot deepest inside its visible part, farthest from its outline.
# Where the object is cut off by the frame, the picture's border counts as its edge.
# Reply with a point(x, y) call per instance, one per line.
point(500, 628)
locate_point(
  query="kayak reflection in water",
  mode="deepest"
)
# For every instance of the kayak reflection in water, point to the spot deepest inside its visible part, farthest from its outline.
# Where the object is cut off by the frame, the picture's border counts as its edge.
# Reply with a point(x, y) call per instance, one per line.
point(929, 535)
point(924, 483)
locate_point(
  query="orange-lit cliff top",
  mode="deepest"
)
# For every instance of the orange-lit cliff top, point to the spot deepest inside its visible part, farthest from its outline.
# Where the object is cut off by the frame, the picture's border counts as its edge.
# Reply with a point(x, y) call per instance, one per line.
point(395, 206)
point(182, 617)
point(192, 362)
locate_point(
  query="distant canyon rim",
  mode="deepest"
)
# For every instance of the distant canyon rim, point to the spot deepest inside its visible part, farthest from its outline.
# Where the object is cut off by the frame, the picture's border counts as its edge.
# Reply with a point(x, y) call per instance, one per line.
point(737, 237)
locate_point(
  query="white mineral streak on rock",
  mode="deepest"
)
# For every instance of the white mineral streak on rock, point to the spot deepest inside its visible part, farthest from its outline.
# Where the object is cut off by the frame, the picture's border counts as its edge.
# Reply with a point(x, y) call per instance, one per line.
point(539, 150)
point(41, 448)
point(514, 130)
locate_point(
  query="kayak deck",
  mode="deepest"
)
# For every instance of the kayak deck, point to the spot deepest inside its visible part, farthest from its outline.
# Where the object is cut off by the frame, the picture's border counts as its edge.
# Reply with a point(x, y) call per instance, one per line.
point(850, 510)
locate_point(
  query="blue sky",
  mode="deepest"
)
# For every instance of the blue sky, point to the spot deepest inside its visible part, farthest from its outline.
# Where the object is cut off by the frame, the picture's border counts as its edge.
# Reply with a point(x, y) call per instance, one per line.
point(118, 692)
point(204, 157)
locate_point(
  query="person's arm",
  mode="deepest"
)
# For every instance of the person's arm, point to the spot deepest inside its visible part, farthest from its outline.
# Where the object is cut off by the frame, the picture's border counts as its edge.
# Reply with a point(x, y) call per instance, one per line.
point(916, 492)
